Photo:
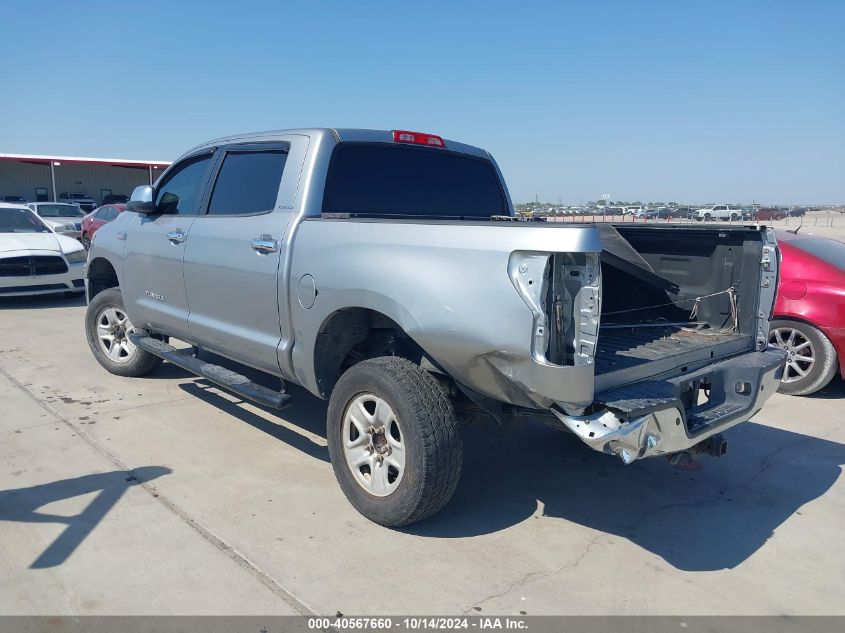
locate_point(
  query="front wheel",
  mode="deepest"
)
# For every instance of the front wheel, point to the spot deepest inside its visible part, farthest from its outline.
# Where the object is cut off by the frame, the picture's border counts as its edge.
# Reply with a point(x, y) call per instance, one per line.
point(107, 328)
point(394, 441)
point(811, 358)
point(707, 217)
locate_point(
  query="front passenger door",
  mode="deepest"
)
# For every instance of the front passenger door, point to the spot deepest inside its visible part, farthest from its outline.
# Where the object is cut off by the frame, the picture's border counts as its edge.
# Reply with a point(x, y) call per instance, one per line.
point(153, 285)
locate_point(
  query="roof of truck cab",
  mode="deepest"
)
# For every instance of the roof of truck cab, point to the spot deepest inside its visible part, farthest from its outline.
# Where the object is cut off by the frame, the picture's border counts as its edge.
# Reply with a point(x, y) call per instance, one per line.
point(349, 135)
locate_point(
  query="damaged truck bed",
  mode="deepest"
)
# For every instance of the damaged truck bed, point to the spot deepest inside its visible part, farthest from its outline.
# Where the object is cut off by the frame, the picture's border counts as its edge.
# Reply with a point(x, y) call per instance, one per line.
point(682, 310)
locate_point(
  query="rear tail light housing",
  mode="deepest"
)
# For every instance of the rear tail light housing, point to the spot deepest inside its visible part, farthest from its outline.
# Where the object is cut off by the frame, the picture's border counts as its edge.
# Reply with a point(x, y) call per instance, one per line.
point(418, 138)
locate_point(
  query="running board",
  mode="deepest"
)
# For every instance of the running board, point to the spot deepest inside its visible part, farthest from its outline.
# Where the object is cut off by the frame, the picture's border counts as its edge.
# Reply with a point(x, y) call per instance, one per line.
point(220, 376)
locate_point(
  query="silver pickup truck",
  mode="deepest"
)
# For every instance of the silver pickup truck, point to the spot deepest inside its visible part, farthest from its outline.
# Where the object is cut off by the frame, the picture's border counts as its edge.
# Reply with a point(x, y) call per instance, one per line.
point(387, 272)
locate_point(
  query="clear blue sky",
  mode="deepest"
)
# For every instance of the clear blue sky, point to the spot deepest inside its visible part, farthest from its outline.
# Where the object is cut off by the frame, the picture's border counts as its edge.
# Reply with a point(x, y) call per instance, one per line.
point(692, 101)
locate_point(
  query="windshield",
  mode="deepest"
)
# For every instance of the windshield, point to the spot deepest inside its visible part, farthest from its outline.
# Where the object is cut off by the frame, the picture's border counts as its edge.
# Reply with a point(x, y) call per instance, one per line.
point(59, 211)
point(830, 251)
point(382, 179)
point(77, 196)
point(20, 221)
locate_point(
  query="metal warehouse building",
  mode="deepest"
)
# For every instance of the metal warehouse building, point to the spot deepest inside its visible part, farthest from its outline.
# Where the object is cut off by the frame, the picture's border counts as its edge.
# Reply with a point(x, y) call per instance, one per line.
point(40, 178)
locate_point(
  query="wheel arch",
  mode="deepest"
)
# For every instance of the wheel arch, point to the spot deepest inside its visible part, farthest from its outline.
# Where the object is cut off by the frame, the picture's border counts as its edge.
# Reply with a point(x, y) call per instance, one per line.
point(101, 275)
point(350, 335)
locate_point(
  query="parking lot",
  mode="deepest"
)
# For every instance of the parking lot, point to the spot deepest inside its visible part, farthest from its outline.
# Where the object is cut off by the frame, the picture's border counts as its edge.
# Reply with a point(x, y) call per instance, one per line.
point(164, 495)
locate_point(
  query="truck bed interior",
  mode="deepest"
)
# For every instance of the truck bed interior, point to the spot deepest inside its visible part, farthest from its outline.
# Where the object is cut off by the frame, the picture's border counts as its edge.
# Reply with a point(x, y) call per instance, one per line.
point(674, 296)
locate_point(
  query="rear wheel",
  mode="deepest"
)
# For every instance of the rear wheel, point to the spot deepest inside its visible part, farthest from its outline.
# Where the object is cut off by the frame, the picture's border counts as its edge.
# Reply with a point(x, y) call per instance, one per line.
point(811, 361)
point(107, 328)
point(394, 441)
point(734, 217)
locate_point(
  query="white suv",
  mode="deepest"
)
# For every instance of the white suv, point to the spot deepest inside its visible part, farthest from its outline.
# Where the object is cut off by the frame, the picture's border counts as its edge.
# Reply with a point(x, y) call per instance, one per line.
point(719, 212)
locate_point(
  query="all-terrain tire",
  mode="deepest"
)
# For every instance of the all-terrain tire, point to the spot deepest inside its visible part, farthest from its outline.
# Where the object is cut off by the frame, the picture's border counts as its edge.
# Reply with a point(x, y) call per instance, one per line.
point(139, 362)
point(823, 368)
point(430, 431)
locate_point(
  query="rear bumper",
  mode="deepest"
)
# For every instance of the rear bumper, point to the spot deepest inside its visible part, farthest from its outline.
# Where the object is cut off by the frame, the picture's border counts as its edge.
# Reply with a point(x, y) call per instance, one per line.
point(661, 417)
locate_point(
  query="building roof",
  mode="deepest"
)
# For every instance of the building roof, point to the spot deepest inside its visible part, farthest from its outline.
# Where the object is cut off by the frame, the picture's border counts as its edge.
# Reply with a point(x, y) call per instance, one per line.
point(43, 158)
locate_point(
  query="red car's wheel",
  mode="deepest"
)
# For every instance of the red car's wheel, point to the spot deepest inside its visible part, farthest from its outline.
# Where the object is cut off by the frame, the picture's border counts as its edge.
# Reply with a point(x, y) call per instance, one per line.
point(86, 241)
point(811, 362)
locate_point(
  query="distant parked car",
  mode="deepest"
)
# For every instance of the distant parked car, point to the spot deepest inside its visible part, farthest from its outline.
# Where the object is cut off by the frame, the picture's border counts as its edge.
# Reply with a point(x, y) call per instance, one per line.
point(79, 199)
point(15, 199)
point(114, 198)
point(809, 315)
point(33, 259)
point(719, 212)
point(646, 214)
point(61, 217)
point(797, 212)
point(100, 217)
point(766, 213)
point(667, 213)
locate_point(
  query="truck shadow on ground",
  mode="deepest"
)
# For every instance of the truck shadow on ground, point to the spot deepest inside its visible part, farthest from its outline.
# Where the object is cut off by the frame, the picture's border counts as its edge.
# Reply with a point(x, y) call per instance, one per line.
point(710, 519)
point(306, 412)
point(22, 504)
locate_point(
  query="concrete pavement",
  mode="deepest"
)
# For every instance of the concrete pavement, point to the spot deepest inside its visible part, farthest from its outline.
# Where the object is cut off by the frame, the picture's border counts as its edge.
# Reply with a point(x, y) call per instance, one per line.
point(208, 504)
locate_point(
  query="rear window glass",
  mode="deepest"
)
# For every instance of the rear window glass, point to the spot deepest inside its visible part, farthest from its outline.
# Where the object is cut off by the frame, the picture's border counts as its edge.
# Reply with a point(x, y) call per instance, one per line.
point(831, 251)
point(381, 179)
point(248, 183)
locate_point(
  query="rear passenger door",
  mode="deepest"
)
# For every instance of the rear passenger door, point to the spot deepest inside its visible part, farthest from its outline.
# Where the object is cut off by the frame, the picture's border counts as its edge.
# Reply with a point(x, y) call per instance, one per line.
point(234, 250)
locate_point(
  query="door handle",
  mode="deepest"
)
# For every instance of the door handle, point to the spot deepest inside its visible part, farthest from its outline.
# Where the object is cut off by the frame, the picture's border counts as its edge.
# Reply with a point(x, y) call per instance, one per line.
point(176, 236)
point(264, 244)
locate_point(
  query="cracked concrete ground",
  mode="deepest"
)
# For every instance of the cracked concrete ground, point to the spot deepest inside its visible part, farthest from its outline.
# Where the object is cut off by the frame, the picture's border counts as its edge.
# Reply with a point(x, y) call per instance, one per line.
point(166, 495)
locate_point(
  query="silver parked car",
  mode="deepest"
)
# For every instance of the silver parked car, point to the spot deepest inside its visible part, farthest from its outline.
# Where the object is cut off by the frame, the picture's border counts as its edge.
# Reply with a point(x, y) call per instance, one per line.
point(61, 217)
point(387, 272)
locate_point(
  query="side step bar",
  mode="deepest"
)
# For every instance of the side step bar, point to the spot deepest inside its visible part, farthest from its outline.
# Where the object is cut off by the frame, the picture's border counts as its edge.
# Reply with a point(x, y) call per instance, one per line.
point(220, 376)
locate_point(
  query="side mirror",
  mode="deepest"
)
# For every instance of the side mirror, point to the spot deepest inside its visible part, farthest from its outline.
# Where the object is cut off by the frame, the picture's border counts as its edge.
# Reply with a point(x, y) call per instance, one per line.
point(142, 200)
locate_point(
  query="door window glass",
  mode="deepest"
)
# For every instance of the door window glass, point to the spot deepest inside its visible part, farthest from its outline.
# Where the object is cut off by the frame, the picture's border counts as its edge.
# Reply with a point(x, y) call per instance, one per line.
point(248, 182)
point(179, 193)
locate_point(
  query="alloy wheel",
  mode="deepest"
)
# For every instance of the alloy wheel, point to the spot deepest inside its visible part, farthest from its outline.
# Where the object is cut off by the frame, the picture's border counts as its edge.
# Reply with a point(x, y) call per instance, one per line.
point(801, 355)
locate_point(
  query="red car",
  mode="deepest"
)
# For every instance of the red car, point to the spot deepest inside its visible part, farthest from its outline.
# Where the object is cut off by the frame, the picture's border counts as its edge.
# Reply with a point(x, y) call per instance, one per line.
point(765, 213)
point(97, 218)
point(809, 315)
